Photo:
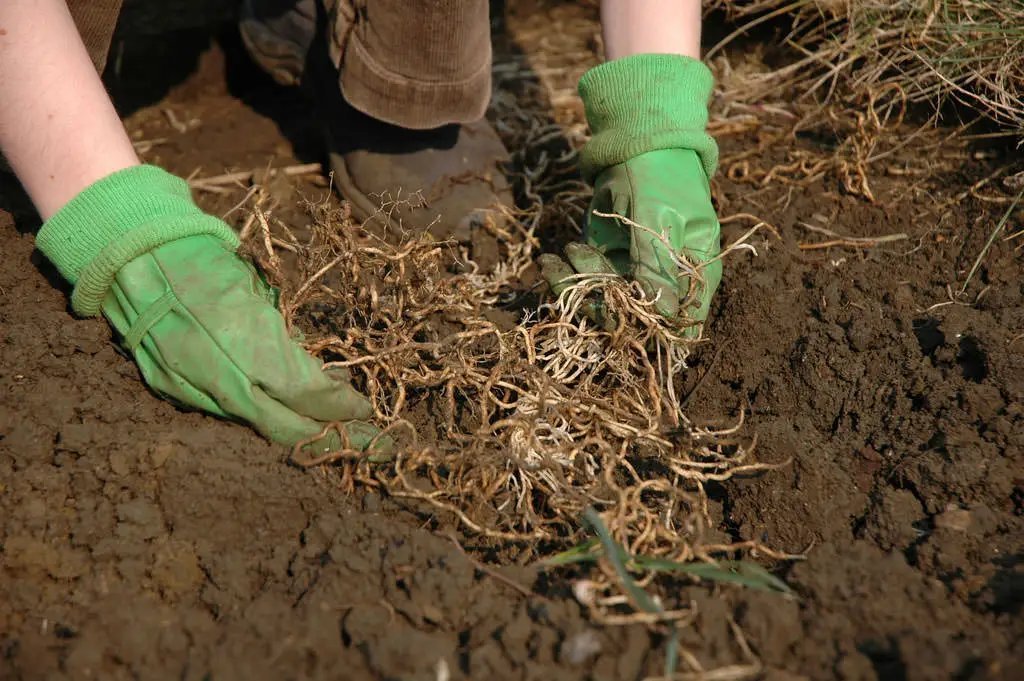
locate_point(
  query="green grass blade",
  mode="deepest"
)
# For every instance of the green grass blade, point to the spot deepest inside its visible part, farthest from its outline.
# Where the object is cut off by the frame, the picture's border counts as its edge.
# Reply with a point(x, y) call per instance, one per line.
point(756, 573)
point(740, 572)
point(584, 553)
point(991, 238)
point(618, 557)
point(672, 651)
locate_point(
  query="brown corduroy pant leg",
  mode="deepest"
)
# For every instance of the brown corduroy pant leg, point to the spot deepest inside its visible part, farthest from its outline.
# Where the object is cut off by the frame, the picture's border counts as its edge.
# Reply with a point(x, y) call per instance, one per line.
point(96, 21)
point(417, 64)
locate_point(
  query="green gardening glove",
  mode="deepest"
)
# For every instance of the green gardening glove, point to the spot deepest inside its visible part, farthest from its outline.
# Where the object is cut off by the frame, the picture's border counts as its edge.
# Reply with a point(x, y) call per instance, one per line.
point(197, 318)
point(649, 159)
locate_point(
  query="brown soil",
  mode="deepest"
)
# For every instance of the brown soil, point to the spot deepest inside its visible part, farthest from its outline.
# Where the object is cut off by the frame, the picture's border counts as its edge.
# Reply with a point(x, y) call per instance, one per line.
point(138, 541)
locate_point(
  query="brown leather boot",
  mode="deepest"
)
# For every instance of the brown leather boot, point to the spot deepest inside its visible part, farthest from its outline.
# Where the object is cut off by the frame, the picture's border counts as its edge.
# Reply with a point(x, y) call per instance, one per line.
point(446, 179)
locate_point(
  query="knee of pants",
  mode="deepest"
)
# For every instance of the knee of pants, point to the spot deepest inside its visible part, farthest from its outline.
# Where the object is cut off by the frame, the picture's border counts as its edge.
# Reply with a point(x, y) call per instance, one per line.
point(96, 21)
point(414, 64)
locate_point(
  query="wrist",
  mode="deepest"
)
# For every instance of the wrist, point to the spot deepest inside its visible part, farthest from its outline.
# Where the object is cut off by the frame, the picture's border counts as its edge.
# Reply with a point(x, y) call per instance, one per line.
point(652, 26)
point(643, 103)
point(115, 220)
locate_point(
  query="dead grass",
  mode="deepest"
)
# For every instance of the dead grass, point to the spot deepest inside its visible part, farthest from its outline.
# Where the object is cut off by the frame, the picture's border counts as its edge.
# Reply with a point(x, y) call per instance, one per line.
point(836, 102)
point(537, 421)
point(522, 424)
point(925, 51)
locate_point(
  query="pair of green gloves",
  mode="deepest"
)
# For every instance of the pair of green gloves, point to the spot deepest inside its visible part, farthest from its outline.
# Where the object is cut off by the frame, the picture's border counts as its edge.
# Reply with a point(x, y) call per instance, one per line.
point(201, 323)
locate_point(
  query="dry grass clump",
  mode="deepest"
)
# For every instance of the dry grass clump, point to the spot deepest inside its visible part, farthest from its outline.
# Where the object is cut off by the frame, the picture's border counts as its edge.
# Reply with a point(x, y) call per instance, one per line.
point(522, 426)
point(922, 50)
point(865, 135)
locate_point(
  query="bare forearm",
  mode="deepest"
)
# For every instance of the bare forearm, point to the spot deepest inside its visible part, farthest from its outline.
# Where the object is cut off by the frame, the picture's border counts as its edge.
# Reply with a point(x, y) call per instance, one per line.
point(58, 128)
point(651, 26)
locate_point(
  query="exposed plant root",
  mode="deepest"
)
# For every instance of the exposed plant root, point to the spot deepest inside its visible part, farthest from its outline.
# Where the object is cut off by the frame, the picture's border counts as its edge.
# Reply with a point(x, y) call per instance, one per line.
point(869, 129)
point(968, 50)
point(541, 418)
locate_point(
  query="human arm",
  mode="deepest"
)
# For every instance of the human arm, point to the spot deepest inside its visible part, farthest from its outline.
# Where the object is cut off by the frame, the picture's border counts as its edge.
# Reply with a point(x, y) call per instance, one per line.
point(198, 320)
point(58, 128)
point(650, 27)
point(650, 159)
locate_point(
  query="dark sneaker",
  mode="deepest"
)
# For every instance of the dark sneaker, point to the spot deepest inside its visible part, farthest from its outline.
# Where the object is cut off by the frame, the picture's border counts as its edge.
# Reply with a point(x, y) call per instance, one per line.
point(277, 35)
point(447, 179)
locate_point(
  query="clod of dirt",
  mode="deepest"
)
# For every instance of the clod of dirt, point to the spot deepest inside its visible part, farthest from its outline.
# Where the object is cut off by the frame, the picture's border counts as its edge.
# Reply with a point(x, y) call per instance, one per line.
point(957, 519)
point(895, 520)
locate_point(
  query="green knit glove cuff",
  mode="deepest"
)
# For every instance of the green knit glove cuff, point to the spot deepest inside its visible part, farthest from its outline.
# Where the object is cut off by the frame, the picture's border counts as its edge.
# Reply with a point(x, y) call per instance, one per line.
point(646, 102)
point(114, 221)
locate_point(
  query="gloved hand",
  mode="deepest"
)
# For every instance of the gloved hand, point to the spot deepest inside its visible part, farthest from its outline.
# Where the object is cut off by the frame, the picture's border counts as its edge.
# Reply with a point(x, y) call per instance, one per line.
point(649, 159)
point(197, 318)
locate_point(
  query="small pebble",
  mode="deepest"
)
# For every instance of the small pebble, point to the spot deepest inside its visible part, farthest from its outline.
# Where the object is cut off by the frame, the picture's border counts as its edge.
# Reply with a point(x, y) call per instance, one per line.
point(954, 518)
point(579, 647)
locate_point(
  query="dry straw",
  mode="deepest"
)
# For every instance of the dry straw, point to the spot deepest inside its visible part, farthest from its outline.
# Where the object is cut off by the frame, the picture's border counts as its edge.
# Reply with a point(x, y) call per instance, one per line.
point(521, 425)
point(534, 421)
point(926, 51)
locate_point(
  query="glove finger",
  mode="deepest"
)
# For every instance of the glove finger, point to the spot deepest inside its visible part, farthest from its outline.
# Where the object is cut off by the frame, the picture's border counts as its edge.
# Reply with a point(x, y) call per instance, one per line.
point(587, 259)
point(266, 414)
point(358, 435)
point(278, 365)
point(324, 396)
point(180, 359)
point(223, 336)
point(560, 276)
point(557, 272)
point(598, 313)
point(654, 266)
point(664, 294)
point(612, 194)
point(301, 384)
point(711, 277)
point(285, 426)
point(172, 386)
